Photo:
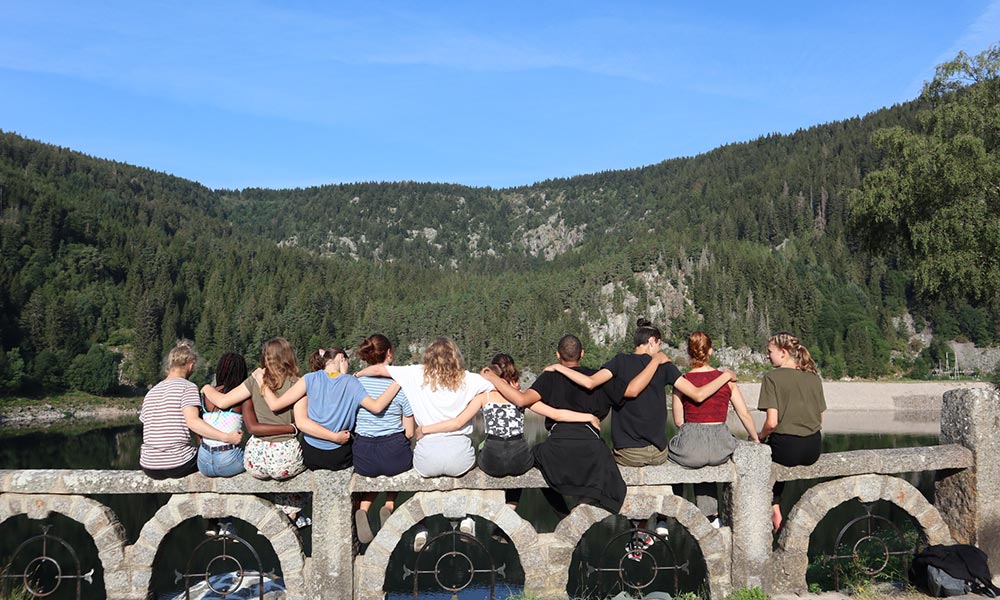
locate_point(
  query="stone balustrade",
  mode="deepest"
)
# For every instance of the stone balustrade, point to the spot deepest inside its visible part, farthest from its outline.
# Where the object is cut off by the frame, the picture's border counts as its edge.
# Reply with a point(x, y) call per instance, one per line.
point(738, 555)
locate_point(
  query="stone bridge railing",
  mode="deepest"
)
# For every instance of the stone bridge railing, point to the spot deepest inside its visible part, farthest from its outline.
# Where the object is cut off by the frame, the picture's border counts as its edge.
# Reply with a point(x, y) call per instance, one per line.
point(967, 464)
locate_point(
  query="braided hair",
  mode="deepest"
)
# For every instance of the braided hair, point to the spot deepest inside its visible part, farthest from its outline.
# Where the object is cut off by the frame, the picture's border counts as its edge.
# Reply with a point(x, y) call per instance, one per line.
point(791, 344)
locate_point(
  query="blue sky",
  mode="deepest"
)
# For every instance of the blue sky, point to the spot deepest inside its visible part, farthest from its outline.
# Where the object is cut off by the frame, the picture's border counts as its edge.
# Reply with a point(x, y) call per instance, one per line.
point(293, 94)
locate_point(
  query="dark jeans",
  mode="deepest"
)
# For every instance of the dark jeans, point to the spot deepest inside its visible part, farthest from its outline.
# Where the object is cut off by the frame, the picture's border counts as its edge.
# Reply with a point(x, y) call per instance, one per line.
point(506, 457)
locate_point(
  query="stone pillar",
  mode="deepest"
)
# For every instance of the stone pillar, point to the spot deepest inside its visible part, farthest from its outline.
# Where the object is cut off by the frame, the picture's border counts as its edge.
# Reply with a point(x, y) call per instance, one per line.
point(751, 516)
point(969, 500)
point(331, 569)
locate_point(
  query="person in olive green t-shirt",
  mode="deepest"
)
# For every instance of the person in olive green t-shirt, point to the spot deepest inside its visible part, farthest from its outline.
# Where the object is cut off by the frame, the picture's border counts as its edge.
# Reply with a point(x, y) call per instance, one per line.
point(792, 395)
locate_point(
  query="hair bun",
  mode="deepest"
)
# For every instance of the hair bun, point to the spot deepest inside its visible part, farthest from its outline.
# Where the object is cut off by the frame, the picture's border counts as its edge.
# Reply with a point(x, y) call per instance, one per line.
point(643, 322)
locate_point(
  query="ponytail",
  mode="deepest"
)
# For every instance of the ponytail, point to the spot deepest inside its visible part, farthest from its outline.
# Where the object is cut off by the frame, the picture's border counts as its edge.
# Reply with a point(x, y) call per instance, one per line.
point(319, 358)
point(791, 344)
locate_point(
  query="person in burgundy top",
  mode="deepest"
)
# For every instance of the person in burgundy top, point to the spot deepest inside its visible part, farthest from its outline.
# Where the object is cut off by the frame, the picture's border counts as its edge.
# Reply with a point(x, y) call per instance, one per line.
point(703, 438)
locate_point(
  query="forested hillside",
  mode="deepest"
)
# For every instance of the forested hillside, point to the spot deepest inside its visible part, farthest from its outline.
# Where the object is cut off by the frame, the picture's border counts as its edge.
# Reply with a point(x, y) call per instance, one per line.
point(106, 264)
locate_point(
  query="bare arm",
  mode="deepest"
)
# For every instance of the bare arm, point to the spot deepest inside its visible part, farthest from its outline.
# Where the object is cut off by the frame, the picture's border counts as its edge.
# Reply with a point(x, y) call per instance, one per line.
point(565, 416)
point(231, 398)
point(290, 397)
point(195, 423)
point(455, 423)
point(700, 394)
point(586, 381)
point(259, 429)
point(409, 427)
point(678, 407)
point(740, 406)
point(509, 392)
point(379, 404)
point(308, 426)
point(373, 371)
point(641, 381)
point(770, 424)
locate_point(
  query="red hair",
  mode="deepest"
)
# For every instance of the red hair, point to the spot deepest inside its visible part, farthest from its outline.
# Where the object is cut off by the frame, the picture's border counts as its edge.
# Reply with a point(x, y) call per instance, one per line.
point(698, 346)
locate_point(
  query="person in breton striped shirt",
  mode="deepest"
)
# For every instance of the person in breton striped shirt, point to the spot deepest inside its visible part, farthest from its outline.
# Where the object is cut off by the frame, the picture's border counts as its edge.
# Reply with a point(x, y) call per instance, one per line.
point(170, 411)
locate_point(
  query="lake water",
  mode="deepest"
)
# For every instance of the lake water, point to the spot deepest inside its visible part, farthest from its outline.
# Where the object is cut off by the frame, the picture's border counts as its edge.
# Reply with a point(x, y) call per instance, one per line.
point(117, 447)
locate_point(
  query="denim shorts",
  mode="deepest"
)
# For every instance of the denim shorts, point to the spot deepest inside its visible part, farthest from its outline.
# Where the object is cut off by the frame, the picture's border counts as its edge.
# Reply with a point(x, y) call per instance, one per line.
point(220, 464)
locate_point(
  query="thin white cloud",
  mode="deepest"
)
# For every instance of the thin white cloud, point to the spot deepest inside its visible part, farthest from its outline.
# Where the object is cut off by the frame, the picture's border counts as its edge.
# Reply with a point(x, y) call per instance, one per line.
point(979, 35)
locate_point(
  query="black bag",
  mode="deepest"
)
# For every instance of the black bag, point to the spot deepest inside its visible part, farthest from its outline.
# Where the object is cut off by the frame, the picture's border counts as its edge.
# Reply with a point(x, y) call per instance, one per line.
point(963, 562)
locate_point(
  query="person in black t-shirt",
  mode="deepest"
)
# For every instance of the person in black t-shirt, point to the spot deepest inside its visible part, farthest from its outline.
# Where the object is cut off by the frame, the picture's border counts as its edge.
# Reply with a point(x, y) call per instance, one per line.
point(574, 459)
point(639, 425)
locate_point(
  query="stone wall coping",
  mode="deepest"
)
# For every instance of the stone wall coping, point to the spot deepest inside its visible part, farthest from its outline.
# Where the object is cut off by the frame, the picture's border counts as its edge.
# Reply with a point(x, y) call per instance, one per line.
point(477, 480)
point(100, 481)
point(834, 464)
point(880, 461)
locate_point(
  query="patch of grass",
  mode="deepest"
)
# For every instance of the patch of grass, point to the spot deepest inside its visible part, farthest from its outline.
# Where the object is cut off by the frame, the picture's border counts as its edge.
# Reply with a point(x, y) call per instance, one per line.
point(11, 589)
point(754, 593)
point(884, 591)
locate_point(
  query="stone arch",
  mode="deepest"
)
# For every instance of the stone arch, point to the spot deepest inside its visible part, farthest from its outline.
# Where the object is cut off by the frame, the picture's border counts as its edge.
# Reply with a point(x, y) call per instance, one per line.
point(266, 517)
point(640, 503)
point(370, 568)
point(97, 519)
point(791, 558)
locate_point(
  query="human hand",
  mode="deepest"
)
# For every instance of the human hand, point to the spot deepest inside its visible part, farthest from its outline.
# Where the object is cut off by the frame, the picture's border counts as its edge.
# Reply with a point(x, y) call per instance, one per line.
point(233, 437)
point(419, 432)
point(487, 372)
point(595, 422)
point(730, 373)
point(341, 437)
point(206, 387)
point(662, 358)
point(551, 368)
point(258, 376)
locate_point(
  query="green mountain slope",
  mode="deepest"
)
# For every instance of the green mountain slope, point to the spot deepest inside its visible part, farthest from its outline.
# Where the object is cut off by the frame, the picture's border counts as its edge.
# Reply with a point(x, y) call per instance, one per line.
point(104, 262)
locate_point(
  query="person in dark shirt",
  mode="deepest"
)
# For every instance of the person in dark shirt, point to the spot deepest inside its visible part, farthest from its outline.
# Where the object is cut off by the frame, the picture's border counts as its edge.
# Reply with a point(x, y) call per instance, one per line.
point(574, 460)
point(639, 424)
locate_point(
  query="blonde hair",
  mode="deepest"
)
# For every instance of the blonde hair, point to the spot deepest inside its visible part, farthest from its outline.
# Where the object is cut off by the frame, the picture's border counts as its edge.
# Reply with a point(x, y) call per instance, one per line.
point(698, 346)
point(791, 344)
point(278, 361)
point(443, 365)
point(181, 354)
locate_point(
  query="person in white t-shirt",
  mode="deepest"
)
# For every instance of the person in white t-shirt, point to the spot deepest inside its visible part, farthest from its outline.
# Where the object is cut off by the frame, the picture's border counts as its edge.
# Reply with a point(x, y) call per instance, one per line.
point(438, 389)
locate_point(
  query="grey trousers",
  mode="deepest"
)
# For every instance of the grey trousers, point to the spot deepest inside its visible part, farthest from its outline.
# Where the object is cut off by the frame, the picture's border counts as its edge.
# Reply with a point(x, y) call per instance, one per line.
point(699, 445)
point(448, 455)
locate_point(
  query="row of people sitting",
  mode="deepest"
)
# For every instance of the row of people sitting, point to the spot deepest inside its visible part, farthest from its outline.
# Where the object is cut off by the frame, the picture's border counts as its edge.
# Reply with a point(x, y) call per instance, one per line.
point(367, 422)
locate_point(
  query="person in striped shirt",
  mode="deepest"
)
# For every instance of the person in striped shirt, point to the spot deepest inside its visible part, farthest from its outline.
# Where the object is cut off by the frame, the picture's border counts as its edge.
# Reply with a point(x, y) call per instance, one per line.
point(381, 440)
point(170, 412)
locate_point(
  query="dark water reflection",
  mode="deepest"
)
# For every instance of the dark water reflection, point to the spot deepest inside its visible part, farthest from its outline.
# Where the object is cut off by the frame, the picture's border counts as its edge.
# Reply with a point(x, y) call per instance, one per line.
point(117, 447)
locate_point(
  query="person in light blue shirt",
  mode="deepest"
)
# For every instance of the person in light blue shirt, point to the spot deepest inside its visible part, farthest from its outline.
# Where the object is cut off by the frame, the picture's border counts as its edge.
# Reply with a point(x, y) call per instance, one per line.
point(381, 440)
point(326, 401)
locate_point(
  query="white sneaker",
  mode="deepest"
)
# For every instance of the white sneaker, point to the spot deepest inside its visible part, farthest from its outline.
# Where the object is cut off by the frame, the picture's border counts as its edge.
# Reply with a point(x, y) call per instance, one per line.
point(661, 529)
point(468, 526)
point(716, 523)
point(420, 540)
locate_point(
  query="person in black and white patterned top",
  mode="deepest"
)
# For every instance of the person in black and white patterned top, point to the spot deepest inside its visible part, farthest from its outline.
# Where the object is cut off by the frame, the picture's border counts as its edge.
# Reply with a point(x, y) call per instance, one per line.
point(504, 452)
